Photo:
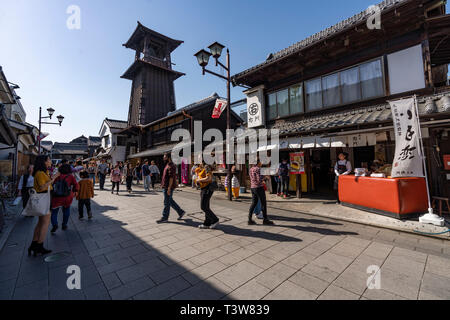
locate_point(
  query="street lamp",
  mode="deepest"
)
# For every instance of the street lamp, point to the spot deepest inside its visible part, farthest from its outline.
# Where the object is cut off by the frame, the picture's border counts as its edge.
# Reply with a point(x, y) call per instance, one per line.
point(50, 111)
point(203, 59)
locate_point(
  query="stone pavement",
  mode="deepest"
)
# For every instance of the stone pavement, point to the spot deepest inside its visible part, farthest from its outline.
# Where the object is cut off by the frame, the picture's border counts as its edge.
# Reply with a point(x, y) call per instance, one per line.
point(124, 254)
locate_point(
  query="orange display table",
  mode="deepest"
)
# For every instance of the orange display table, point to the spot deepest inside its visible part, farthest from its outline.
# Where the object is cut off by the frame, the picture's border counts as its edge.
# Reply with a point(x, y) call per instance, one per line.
point(399, 197)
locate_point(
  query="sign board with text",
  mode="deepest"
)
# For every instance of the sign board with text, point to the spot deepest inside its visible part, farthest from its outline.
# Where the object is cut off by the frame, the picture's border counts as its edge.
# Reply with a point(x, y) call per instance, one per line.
point(255, 107)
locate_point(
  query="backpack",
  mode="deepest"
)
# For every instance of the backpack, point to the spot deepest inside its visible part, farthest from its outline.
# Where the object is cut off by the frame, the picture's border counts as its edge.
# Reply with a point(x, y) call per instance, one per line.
point(61, 188)
point(283, 169)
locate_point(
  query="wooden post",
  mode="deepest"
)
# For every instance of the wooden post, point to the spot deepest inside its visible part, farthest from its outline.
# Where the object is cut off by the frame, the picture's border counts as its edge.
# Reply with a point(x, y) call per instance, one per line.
point(299, 186)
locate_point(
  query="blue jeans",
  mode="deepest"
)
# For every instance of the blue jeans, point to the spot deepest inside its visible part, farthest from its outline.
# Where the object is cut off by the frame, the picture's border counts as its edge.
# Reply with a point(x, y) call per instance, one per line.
point(66, 215)
point(169, 202)
point(257, 208)
point(92, 176)
point(147, 182)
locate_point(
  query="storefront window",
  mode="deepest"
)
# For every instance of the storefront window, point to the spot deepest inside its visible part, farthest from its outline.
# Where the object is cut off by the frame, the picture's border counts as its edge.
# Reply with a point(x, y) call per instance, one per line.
point(371, 79)
point(283, 103)
point(272, 104)
point(313, 94)
point(296, 99)
point(350, 87)
point(331, 92)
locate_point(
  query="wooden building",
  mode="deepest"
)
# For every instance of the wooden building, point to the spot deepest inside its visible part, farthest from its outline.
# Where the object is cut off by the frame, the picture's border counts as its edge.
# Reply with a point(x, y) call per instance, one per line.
point(154, 139)
point(152, 90)
point(329, 93)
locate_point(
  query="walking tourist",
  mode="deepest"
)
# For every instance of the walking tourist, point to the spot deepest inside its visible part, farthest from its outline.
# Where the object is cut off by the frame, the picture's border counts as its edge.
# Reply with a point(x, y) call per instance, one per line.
point(342, 167)
point(84, 196)
point(138, 170)
point(26, 183)
point(146, 174)
point(168, 184)
point(102, 172)
point(129, 173)
point(116, 177)
point(283, 174)
point(78, 168)
point(154, 173)
point(64, 188)
point(258, 194)
point(42, 184)
point(193, 175)
point(92, 170)
point(204, 181)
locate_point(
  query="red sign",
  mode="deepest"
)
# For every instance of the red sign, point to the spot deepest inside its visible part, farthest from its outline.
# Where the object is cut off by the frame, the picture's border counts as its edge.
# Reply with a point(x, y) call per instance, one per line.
point(218, 108)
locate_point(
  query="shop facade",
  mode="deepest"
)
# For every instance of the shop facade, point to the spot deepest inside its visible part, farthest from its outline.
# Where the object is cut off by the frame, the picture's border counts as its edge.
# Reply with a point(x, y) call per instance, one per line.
point(330, 93)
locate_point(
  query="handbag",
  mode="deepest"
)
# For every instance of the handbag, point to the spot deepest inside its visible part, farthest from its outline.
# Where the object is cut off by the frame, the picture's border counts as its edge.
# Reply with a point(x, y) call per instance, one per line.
point(38, 205)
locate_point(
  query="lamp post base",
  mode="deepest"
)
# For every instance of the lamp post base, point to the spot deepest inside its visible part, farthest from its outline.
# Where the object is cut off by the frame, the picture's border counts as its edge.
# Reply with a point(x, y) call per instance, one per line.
point(431, 218)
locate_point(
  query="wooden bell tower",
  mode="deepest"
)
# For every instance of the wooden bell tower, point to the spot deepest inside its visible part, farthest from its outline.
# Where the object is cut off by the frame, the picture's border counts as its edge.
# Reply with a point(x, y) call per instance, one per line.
point(152, 90)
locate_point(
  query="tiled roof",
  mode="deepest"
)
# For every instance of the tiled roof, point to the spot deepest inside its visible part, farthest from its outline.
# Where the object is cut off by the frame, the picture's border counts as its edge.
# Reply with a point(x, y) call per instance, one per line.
point(94, 141)
point(197, 104)
point(69, 148)
point(315, 38)
point(116, 124)
point(428, 105)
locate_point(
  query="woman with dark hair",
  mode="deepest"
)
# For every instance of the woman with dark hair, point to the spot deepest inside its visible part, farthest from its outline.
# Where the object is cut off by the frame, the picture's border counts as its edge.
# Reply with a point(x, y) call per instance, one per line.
point(65, 187)
point(42, 183)
point(204, 181)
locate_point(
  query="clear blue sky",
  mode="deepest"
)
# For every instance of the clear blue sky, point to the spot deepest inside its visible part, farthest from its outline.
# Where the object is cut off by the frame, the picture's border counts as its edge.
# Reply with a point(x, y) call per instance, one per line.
point(77, 72)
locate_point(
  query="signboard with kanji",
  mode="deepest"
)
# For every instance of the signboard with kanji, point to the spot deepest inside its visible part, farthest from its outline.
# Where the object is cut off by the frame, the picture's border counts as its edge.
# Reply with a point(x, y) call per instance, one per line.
point(255, 107)
point(408, 160)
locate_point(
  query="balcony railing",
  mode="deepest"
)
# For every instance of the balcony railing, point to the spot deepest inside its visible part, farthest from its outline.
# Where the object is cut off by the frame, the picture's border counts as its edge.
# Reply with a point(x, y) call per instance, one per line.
point(158, 62)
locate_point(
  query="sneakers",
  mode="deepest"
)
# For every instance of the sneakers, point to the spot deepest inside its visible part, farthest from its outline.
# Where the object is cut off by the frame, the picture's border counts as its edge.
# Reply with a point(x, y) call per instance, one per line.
point(268, 223)
point(279, 194)
point(260, 216)
point(181, 216)
point(89, 215)
point(64, 227)
point(202, 226)
point(54, 229)
point(162, 220)
point(80, 217)
point(285, 196)
point(251, 223)
point(214, 225)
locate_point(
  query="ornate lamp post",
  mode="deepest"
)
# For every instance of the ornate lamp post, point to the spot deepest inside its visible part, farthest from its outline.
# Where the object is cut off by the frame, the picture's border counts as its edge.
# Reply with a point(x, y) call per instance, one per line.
point(50, 111)
point(203, 59)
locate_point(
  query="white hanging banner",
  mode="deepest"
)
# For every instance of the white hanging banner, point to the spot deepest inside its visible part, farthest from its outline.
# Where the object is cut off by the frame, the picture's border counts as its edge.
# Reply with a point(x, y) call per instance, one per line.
point(408, 153)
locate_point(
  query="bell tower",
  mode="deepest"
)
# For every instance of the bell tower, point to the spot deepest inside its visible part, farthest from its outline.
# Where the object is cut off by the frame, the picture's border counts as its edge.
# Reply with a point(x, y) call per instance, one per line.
point(152, 89)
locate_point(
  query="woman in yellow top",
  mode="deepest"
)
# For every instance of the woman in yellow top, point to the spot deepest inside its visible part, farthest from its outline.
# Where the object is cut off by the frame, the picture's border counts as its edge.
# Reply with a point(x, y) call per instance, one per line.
point(42, 182)
point(204, 181)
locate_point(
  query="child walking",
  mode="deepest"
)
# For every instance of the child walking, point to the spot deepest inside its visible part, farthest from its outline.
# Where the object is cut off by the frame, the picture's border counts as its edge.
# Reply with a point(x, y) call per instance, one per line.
point(85, 194)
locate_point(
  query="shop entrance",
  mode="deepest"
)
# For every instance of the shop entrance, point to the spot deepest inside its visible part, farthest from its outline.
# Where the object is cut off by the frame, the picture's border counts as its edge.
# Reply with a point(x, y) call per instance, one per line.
point(363, 157)
point(322, 171)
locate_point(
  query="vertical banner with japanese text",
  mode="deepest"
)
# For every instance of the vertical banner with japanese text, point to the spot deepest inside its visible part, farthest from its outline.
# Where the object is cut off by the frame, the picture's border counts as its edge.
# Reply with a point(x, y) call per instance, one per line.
point(408, 160)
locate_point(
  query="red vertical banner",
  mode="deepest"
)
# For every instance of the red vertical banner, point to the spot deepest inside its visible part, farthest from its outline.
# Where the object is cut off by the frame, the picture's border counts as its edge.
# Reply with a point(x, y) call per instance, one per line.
point(219, 108)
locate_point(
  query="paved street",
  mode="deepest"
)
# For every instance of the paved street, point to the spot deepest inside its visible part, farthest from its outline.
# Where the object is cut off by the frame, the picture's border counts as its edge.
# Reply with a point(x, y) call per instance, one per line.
point(124, 254)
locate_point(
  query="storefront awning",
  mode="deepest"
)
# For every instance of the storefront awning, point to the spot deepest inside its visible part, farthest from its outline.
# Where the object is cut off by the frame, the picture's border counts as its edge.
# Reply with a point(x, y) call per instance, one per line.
point(159, 150)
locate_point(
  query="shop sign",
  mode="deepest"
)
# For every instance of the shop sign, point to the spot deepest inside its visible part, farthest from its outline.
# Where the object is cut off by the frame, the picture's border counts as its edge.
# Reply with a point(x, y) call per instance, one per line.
point(255, 107)
point(297, 163)
point(408, 153)
point(219, 108)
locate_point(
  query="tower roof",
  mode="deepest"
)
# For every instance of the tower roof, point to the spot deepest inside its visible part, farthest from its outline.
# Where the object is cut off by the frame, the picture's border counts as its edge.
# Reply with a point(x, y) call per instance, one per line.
point(138, 64)
point(136, 40)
